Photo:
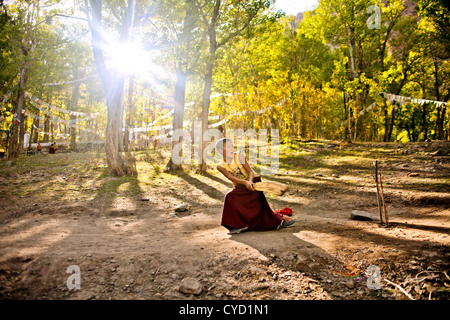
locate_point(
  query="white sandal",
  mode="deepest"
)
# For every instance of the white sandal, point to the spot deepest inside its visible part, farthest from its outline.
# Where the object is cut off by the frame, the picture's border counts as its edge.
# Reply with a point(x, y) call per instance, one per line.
point(237, 231)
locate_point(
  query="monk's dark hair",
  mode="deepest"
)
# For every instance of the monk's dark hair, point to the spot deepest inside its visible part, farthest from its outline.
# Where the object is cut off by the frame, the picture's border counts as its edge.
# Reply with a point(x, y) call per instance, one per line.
point(220, 143)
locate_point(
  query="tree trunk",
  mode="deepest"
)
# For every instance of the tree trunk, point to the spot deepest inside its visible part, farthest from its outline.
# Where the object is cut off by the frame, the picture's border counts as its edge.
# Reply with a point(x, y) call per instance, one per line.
point(386, 121)
point(205, 106)
point(351, 46)
point(120, 128)
point(346, 134)
point(73, 104)
point(180, 89)
point(36, 132)
point(436, 126)
point(439, 114)
point(409, 134)
point(441, 123)
point(206, 101)
point(413, 126)
point(46, 129)
point(424, 122)
point(73, 133)
point(14, 145)
point(354, 73)
point(303, 117)
point(391, 126)
point(178, 115)
point(23, 130)
point(126, 133)
point(113, 85)
point(349, 113)
point(28, 48)
point(213, 45)
point(115, 163)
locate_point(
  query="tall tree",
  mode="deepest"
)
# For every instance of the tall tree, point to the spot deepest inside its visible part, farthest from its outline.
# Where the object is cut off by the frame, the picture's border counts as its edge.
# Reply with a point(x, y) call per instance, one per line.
point(182, 20)
point(224, 20)
point(407, 50)
point(130, 104)
point(438, 12)
point(342, 24)
point(28, 14)
point(112, 81)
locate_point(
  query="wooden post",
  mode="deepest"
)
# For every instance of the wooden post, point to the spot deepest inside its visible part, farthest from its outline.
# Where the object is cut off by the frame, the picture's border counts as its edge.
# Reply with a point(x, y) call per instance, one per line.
point(386, 219)
point(378, 193)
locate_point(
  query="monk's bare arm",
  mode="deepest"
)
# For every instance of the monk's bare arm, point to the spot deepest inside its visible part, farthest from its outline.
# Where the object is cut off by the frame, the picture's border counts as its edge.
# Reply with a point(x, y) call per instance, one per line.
point(229, 176)
point(247, 167)
point(234, 179)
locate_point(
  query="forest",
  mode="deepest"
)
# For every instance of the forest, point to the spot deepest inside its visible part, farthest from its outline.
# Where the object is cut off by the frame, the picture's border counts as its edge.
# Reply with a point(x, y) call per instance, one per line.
point(348, 70)
point(115, 114)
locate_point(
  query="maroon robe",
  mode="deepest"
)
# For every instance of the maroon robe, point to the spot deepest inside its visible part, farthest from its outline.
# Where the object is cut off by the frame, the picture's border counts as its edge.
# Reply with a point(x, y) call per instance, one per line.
point(246, 208)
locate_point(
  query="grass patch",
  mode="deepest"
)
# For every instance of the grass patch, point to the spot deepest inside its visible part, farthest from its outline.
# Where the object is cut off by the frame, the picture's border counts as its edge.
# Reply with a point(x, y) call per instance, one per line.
point(307, 165)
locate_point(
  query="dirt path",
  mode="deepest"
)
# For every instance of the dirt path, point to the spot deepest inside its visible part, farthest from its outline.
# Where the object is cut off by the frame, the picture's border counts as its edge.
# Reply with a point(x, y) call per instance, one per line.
point(132, 245)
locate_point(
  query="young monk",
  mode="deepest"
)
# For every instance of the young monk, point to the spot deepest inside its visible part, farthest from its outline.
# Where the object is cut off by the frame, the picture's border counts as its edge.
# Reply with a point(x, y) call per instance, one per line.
point(51, 149)
point(244, 207)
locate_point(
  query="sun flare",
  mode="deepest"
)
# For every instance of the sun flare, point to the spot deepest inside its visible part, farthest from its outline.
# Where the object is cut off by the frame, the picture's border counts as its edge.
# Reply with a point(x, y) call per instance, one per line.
point(128, 57)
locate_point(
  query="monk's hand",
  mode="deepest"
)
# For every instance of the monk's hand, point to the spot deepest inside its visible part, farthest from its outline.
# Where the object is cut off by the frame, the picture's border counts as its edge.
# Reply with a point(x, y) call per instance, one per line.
point(249, 185)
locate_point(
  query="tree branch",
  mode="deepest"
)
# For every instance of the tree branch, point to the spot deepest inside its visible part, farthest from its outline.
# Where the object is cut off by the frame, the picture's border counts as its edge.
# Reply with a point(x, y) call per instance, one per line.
point(202, 14)
point(252, 15)
point(234, 34)
point(96, 30)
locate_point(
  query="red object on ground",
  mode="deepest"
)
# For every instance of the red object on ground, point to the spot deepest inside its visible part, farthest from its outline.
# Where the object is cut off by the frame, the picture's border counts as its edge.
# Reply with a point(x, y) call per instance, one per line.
point(285, 211)
point(246, 208)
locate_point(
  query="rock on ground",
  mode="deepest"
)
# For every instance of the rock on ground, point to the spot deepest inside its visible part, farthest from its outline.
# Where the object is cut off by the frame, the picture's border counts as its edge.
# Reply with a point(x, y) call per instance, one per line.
point(190, 286)
point(181, 207)
point(360, 215)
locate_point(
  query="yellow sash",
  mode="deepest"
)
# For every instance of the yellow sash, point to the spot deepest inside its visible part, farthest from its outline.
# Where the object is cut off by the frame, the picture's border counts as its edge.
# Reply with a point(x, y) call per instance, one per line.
point(236, 164)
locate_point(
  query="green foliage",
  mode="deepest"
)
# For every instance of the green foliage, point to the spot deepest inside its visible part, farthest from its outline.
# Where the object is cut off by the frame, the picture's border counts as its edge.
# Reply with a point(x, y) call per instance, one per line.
point(439, 12)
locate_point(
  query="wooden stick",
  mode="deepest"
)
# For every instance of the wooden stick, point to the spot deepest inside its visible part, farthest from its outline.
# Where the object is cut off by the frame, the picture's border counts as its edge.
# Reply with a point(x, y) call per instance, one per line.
point(378, 192)
point(418, 280)
point(400, 288)
point(384, 203)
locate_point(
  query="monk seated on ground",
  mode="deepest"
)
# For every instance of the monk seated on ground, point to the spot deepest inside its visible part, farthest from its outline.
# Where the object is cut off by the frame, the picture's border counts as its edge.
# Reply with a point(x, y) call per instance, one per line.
point(244, 207)
point(51, 149)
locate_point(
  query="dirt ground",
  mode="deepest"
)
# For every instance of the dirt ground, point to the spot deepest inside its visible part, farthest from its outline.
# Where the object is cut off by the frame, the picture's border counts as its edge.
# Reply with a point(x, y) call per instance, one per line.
point(129, 243)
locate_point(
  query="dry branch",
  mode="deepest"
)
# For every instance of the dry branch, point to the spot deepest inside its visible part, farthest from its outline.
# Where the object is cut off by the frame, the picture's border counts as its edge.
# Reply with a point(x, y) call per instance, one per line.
point(400, 288)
